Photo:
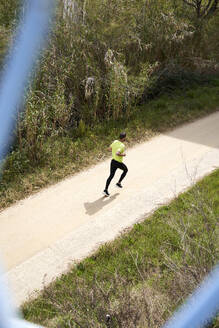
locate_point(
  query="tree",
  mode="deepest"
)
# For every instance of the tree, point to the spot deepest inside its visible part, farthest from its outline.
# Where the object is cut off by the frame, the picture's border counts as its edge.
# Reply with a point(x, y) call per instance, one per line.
point(204, 8)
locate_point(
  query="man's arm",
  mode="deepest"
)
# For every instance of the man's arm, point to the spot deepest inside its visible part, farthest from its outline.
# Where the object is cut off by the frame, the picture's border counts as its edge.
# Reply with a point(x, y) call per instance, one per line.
point(120, 154)
point(109, 148)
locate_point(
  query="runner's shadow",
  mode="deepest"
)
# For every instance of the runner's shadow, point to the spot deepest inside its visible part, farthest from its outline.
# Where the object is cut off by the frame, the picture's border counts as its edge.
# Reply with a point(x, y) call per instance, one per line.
point(97, 205)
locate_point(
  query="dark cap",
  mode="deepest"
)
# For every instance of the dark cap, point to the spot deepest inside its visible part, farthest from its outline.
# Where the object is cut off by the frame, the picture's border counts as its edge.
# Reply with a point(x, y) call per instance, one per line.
point(122, 135)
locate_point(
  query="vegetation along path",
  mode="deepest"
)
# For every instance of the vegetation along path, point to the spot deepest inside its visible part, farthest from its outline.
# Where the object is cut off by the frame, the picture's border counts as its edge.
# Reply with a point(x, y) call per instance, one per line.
point(43, 234)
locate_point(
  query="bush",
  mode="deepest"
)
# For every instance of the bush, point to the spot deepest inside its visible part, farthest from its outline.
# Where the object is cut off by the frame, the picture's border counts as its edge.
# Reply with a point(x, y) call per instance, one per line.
point(168, 78)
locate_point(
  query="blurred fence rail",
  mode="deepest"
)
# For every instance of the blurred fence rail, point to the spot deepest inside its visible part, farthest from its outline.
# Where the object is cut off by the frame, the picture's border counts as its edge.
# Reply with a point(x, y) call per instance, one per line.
point(21, 61)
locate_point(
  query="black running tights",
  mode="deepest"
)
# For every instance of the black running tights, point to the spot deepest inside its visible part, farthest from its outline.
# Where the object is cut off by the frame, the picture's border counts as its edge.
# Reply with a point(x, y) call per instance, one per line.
point(113, 167)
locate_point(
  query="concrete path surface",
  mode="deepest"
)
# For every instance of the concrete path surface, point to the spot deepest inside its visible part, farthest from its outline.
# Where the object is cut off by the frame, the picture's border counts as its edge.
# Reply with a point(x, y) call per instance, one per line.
point(41, 236)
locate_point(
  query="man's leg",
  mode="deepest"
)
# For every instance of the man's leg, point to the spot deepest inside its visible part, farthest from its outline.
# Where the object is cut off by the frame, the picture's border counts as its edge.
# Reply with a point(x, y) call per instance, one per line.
point(113, 168)
point(125, 170)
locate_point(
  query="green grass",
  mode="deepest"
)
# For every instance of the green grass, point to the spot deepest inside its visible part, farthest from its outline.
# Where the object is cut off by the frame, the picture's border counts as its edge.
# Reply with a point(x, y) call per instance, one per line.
point(141, 277)
point(63, 156)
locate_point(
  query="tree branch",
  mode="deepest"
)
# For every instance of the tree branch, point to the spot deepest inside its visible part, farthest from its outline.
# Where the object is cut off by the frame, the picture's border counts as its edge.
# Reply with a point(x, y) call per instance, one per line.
point(201, 10)
point(198, 8)
point(189, 3)
point(208, 5)
point(212, 8)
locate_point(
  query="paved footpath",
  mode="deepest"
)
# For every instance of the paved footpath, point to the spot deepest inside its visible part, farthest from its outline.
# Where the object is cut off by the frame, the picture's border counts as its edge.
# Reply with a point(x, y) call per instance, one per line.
point(41, 236)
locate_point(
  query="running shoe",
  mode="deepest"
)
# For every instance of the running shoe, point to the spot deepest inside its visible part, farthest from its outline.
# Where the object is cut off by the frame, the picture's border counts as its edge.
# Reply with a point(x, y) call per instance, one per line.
point(105, 192)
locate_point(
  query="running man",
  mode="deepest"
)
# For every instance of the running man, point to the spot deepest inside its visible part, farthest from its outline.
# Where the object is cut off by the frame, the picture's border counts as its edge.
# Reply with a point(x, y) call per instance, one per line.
point(118, 152)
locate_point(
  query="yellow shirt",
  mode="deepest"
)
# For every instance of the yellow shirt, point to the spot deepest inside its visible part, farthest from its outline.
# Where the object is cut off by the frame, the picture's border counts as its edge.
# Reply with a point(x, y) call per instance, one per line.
point(117, 146)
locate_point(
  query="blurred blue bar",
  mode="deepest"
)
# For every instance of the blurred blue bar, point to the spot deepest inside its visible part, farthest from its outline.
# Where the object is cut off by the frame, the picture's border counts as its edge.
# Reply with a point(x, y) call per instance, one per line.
point(30, 39)
point(201, 307)
point(8, 317)
point(6, 312)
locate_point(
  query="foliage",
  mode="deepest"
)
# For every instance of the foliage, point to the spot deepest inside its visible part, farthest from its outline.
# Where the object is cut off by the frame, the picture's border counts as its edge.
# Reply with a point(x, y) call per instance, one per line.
point(59, 156)
point(102, 60)
point(203, 9)
point(3, 43)
point(9, 11)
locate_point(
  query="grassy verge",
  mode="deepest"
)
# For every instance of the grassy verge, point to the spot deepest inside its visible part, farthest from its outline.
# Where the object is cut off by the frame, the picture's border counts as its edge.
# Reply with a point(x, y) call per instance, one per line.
point(140, 278)
point(66, 155)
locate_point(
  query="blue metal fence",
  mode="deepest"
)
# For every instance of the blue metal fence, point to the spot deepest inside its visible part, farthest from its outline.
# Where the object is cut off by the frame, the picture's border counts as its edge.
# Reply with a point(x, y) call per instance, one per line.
point(9, 318)
point(21, 61)
point(204, 303)
point(201, 306)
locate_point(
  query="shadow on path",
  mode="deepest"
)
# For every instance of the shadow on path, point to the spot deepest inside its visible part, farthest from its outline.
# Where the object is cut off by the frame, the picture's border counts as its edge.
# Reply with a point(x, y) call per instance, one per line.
point(204, 131)
point(97, 205)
